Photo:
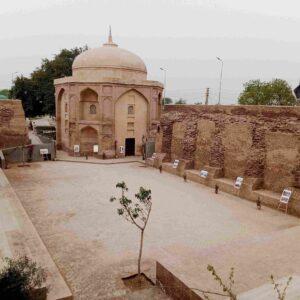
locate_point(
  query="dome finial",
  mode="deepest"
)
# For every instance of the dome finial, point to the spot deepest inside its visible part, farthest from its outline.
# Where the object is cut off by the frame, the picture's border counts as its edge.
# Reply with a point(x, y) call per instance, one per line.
point(110, 40)
point(110, 37)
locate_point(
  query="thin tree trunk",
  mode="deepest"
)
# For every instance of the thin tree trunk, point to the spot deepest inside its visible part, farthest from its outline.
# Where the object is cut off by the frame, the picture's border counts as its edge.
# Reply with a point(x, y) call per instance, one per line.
point(140, 254)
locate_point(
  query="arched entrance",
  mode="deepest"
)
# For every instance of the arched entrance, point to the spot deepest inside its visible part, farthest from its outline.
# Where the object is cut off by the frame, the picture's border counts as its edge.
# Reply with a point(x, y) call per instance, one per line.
point(88, 138)
point(131, 120)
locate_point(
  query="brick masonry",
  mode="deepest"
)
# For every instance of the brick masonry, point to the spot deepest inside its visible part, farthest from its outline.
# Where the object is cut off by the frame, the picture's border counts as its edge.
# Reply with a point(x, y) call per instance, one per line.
point(250, 141)
point(13, 130)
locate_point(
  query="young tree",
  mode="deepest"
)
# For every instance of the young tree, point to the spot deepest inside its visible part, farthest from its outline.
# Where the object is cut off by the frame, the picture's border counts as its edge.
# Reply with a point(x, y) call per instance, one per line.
point(280, 294)
point(275, 92)
point(227, 288)
point(137, 213)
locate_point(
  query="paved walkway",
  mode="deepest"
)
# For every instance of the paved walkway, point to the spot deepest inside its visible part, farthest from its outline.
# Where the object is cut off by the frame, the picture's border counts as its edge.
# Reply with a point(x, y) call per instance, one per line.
point(189, 228)
point(63, 156)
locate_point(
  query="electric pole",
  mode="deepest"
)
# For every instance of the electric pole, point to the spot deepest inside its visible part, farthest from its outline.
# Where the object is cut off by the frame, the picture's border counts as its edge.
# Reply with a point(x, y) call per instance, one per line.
point(206, 96)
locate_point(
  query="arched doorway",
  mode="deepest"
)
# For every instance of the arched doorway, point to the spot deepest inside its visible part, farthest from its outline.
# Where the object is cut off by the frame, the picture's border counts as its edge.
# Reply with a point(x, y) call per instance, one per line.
point(131, 121)
point(88, 138)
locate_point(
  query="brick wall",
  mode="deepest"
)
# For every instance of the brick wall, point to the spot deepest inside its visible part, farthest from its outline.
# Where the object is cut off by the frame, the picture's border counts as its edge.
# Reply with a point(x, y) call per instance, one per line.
point(254, 141)
point(12, 124)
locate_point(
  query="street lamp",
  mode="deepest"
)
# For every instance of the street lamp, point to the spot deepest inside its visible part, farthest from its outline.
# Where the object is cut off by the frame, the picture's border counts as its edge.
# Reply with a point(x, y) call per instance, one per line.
point(165, 78)
point(218, 58)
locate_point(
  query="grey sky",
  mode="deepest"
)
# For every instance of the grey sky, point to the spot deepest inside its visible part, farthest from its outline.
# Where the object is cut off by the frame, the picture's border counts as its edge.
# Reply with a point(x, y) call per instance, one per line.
point(256, 39)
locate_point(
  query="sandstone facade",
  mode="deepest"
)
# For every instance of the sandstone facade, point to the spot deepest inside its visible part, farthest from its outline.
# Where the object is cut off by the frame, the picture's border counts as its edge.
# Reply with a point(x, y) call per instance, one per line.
point(251, 141)
point(13, 131)
point(107, 102)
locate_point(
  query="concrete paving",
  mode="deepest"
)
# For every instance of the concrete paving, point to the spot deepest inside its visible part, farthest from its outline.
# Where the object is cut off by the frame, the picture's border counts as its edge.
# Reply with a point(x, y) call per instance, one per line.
point(189, 227)
point(63, 156)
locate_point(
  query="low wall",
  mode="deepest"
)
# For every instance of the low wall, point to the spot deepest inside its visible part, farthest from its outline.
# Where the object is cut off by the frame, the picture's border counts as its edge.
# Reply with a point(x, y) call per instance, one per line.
point(250, 141)
point(31, 153)
point(173, 286)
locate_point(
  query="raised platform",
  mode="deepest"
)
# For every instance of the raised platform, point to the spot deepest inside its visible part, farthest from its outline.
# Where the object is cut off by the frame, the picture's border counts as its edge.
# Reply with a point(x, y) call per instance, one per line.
point(249, 190)
point(254, 260)
point(18, 237)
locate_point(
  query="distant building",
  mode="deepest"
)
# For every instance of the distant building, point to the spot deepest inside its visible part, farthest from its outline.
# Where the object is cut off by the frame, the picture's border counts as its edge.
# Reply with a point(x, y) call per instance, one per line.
point(107, 102)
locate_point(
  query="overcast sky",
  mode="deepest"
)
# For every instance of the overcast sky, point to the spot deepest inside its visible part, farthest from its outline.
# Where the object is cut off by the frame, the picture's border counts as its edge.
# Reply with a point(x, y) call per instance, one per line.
point(256, 39)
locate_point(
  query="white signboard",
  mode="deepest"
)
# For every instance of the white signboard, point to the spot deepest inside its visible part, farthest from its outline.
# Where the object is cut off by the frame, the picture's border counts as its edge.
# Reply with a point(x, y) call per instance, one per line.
point(286, 195)
point(44, 151)
point(76, 148)
point(175, 163)
point(95, 148)
point(121, 149)
point(203, 173)
point(153, 155)
point(238, 182)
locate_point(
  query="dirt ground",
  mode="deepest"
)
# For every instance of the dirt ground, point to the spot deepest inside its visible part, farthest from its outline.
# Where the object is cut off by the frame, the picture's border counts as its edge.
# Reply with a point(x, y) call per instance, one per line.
point(94, 248)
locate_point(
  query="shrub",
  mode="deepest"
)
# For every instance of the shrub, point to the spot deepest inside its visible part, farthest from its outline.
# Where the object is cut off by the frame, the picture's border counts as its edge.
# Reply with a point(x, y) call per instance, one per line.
point(19, 278)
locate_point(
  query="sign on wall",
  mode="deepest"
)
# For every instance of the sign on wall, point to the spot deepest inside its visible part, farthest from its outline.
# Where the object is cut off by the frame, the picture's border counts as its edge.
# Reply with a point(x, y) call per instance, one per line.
point(175, 163)
point(76, 148)
point(286, 195)
point(238, 182)
point(44, 151)
point(203, 173)
point(122, 149)
point(95, 148)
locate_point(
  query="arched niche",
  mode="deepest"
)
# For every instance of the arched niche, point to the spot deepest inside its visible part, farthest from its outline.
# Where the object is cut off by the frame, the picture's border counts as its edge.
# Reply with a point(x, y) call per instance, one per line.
point(131, 119)
point(88, 138)
point(89, 106)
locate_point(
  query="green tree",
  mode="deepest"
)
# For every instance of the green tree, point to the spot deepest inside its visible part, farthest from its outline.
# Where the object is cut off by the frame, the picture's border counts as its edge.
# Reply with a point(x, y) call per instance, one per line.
point(19, 278)
point(4, 92)
point(168, 100)
point(275, 92)
point(24, 89)
point(136, 213)
point(37, 91)
point(180, 101)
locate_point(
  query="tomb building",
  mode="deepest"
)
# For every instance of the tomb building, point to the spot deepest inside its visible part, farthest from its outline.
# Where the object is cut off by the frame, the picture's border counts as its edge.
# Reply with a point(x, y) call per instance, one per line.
point(107, 102)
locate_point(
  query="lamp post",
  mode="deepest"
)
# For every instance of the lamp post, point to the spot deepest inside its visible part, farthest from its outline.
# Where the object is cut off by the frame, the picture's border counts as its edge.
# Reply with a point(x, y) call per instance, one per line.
point(165, 80)
point(218, 58)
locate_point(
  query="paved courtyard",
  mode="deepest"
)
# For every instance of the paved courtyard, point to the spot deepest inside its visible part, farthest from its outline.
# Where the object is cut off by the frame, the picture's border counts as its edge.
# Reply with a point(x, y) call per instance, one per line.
point(189, 228)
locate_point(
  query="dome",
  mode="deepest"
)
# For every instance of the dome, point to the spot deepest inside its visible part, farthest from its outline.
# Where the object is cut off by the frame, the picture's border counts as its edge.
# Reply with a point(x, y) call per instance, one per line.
point(109, 61)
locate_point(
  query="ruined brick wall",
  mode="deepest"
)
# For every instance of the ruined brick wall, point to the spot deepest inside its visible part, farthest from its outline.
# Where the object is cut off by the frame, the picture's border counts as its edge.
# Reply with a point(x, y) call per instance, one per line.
point(12, 124)
point(254, 141)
